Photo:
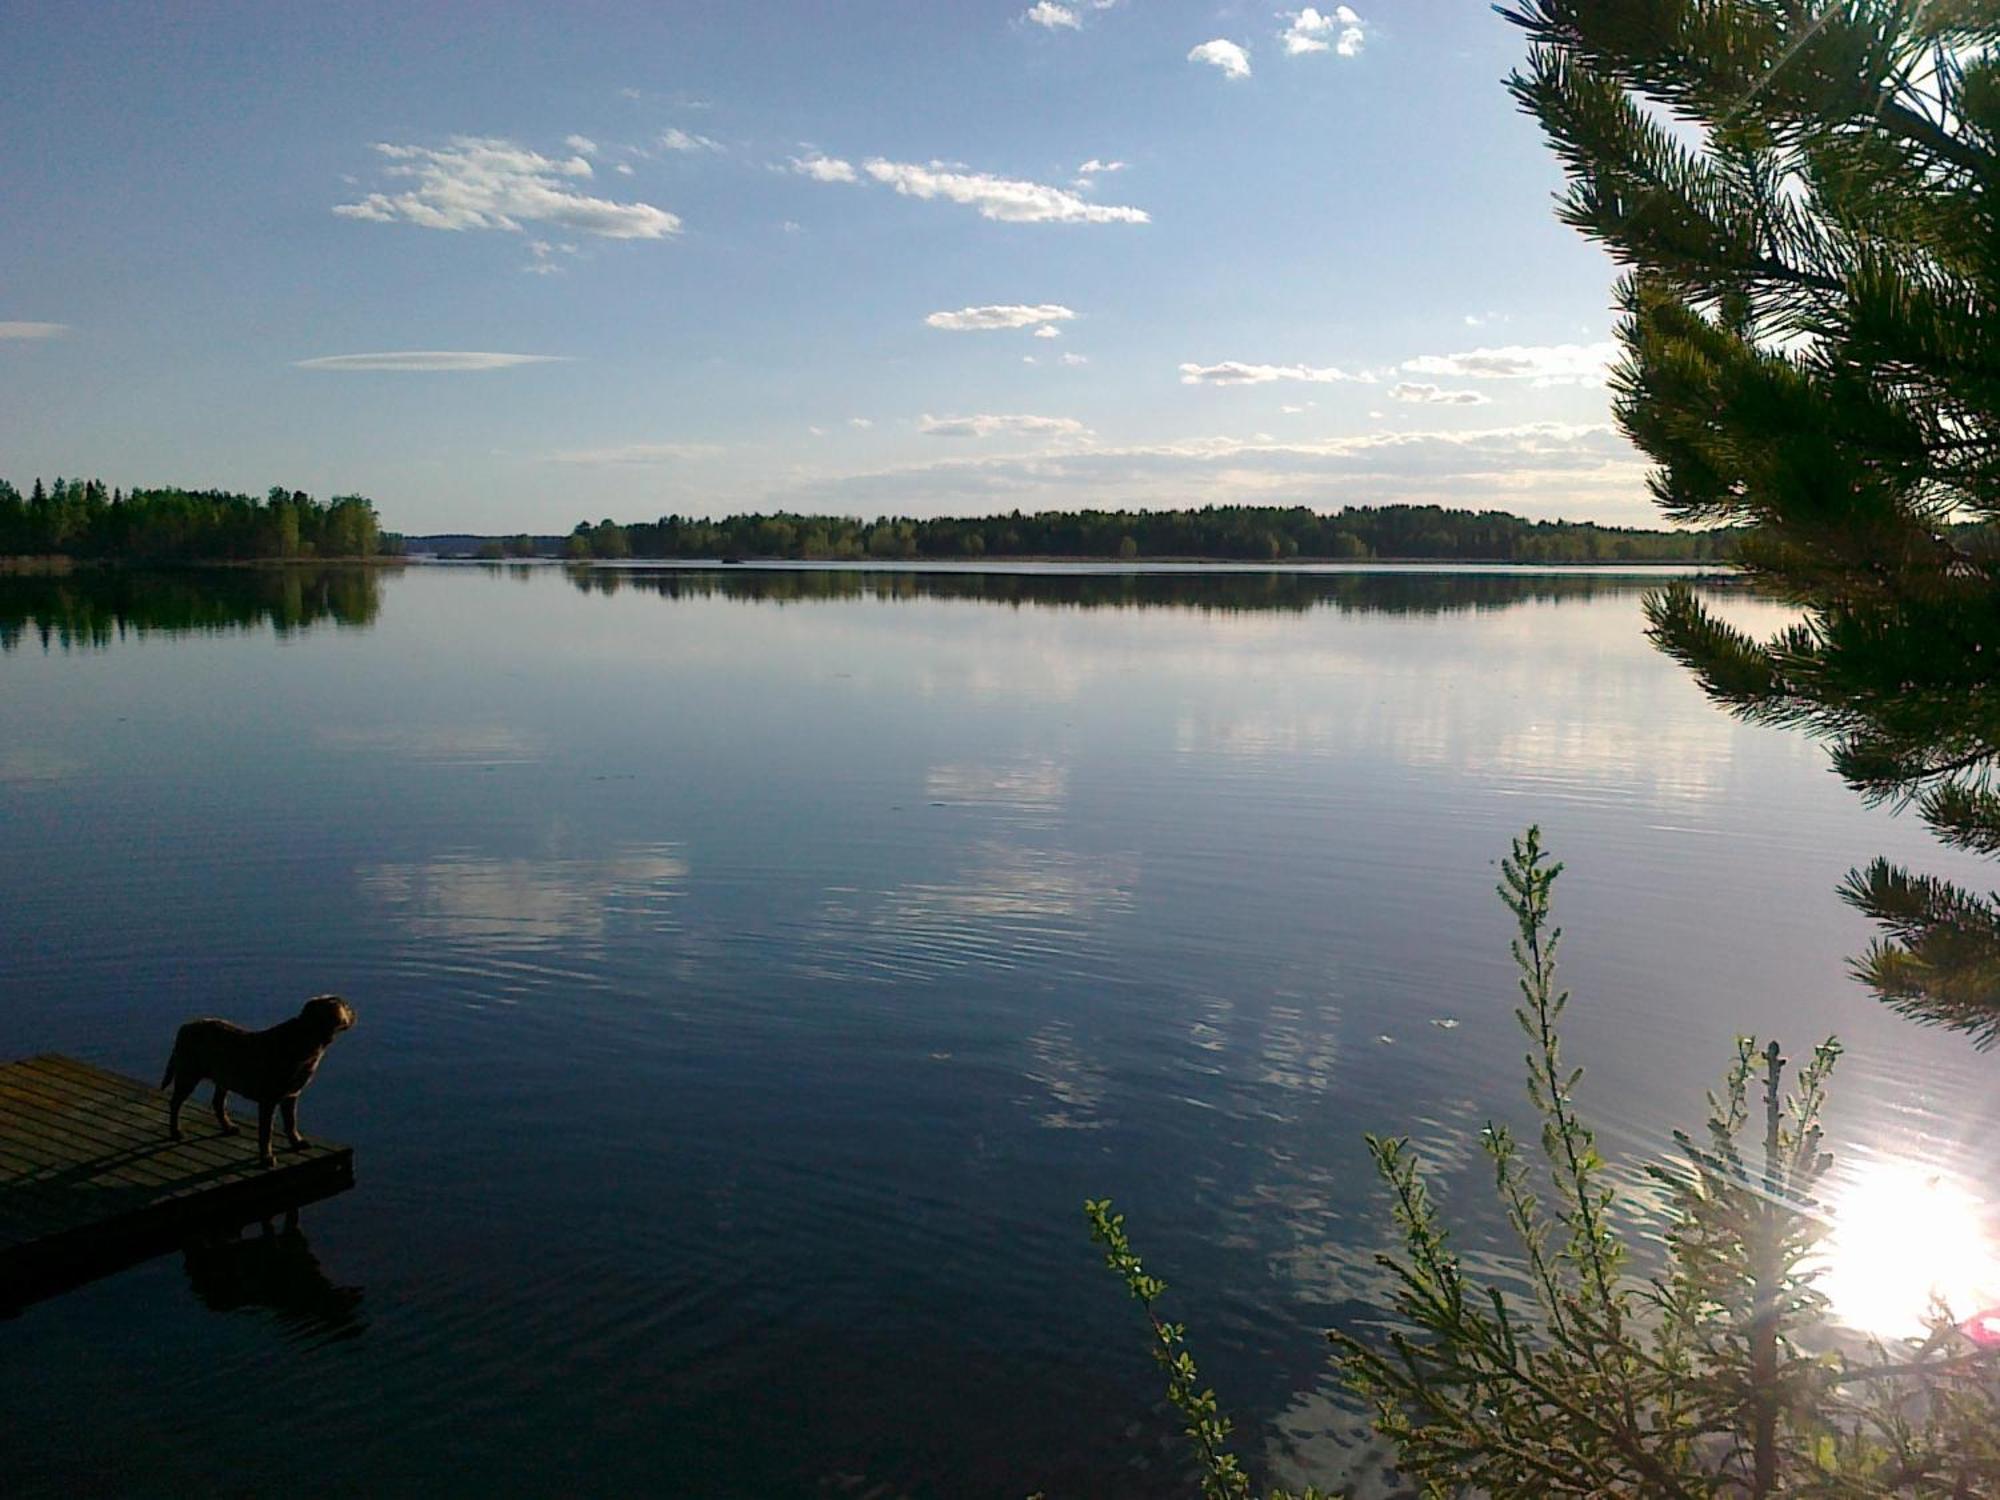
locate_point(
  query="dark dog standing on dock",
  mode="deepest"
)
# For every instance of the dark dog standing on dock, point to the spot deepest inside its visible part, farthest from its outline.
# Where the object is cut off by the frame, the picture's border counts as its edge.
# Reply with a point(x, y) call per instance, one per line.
point(269, 1068)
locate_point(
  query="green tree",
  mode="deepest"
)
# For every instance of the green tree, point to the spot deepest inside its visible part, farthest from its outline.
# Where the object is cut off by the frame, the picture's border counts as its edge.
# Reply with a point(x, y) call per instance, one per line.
point(1718, 1375)
point(608, 539)
point(1803, 199)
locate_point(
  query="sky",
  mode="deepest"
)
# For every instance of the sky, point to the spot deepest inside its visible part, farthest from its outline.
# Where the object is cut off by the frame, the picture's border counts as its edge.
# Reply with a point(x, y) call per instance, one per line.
point(506, 268)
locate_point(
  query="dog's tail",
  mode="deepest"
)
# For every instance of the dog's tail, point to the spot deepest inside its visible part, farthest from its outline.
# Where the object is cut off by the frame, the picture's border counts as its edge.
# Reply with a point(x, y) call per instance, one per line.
point(173, 1062)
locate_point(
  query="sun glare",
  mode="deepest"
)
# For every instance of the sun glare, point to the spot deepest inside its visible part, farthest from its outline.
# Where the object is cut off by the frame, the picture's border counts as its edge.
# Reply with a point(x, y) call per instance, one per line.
point(1905, 1236)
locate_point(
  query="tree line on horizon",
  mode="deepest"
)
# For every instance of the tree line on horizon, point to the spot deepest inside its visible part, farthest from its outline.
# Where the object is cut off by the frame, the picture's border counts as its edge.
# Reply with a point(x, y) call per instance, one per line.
point(1235, 532)
point(81, 518)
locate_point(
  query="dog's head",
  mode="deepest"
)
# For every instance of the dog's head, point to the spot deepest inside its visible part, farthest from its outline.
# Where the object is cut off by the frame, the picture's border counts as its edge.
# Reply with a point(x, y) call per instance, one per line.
point(327, 1016)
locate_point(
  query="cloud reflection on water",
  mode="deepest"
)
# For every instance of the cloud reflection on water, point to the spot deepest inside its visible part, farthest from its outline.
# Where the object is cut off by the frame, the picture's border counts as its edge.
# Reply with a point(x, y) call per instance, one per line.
point(479, 900)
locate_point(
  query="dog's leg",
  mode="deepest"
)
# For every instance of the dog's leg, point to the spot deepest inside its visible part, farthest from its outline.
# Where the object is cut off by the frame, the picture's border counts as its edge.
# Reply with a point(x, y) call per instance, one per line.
point(222, 1120)
point(264, 1153)
point(182, 1088)
point(289, 1108)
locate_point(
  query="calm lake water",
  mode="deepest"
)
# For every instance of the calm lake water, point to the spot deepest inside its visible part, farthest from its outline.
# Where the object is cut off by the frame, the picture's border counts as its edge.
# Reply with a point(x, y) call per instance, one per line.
point(756, 970)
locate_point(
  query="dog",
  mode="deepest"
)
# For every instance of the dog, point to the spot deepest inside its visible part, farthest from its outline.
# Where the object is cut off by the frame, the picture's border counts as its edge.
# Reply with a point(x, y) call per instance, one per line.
point(269, 1068)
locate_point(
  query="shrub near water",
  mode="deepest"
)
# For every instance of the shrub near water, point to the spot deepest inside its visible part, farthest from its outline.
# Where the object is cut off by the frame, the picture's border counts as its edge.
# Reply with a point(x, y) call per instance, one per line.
point(1713, 1377)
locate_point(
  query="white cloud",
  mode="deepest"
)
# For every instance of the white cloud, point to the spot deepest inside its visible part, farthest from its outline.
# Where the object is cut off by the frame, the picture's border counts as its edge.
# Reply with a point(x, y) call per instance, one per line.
point(427, 360)
point(1480, 320)
point(1235, 372)
point(824, 168)
point(623, 169)
point(987, 425)
point(1074, 359)
point(634, 454)
point(542, 257)
point(1293, 411)
point(33, 330)
point(1544, 364)
point(677, 139)
point(1307, 33)
point(1048, 13)
point(1094, 167)
point(479, 183)
point(1226, 55)
point(1430, 395)
point(583, 145)
point(1008, 200)
point(863, 423)
point(1048, 331)
point(999, 315)
point(1310, 31)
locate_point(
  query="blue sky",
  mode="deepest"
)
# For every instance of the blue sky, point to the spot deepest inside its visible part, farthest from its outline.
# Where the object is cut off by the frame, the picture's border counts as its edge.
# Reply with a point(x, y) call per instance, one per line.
point(507, 267)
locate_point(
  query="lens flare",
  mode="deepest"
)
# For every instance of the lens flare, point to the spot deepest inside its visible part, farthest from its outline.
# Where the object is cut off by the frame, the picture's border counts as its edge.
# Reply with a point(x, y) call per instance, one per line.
point(1903, 1238)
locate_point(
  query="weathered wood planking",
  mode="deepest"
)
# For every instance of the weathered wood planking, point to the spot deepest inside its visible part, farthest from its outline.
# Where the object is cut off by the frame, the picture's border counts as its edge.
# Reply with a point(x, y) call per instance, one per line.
point(90, 1182)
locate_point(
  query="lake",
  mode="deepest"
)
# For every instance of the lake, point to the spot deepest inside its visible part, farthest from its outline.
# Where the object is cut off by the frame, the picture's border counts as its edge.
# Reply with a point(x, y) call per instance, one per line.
point(756, 970)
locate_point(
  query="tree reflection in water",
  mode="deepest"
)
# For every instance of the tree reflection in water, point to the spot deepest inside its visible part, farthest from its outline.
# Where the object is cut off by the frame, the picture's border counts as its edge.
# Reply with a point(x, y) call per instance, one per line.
point(91, 609)
point(1203, 590)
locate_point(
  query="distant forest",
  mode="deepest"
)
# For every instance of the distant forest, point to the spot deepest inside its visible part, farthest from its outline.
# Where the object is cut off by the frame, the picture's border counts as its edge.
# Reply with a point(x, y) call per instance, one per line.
point(80, 518)
point(1247, 533)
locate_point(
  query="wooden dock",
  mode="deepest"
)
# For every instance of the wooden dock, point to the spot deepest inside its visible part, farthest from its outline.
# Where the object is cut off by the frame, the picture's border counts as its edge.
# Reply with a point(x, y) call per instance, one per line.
point(90, 1182)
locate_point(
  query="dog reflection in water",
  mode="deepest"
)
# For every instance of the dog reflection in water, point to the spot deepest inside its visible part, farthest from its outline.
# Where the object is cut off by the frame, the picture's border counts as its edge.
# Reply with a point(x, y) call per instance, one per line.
point(263, 1266)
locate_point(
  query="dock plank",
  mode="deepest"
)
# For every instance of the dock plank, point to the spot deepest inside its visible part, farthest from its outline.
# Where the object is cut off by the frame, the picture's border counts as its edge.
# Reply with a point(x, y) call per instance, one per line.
point(90, 1180)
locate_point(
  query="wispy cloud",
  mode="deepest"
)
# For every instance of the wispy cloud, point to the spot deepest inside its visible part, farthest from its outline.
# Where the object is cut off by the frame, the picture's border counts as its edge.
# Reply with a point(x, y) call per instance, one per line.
point(482, 183)
point(1339, 30)
point(1543, 364)
point(1224, 54)
point(582, 145)
point(1094, 167)
point(985, 425)
point(824, 168)
point(999, 315)
point(1048, 13)
point(628, 455)
point(427, 361)
point(1074, 359)
point(686, 141)
point(1048, 331)
point(542, 257)
point(1008, 200)
point(1235, 372)
point(1431, 395)
point(33, 330)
